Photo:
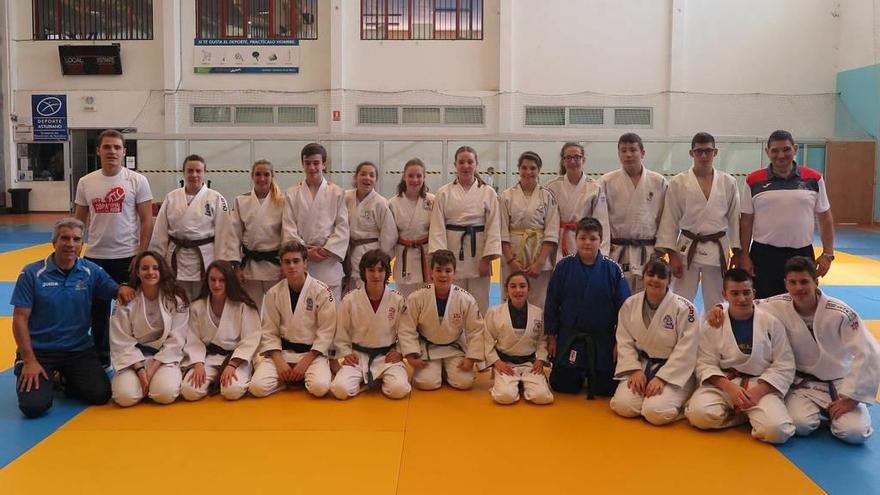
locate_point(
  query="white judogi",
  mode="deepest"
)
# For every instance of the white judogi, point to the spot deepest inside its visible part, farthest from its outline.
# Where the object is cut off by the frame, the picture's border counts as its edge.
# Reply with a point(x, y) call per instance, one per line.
point(501, 336)
point(256, 226)
point(841, 350)
point(319, 221)
point(368, 219)
point(478, 206)
point(129, 327)
point(527, 222)
point(312, 323)
point(413, 221)
point(672, 336)
point(576, 201)
point(205, 217)
point(634, 214)
point(358, 324)
point(687, 208)
point(770, 361)
point(239, 331)
point(458, 334)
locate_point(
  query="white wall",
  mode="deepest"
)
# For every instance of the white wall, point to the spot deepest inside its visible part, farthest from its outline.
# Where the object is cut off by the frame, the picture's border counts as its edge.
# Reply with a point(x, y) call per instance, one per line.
point(857, 44)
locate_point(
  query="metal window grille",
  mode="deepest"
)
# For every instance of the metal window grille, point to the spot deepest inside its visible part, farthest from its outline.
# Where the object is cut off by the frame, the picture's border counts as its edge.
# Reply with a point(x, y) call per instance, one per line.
point(421, 19)
point(93, 19)
point(254, 115)
point(303, 115)
point(463, 116)
point(586, 116)
point(257, 19)
point(421, 115)
point(632, 116)
point(545, 116)
point(378, 115)
point(212, 114)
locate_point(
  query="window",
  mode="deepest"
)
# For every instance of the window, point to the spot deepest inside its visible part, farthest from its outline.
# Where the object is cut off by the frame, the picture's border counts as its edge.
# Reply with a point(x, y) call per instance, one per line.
point(420, 115)
point(257, 19)
point(255, 115)
point(93, 19)
point(561, 116)
point(421, 19)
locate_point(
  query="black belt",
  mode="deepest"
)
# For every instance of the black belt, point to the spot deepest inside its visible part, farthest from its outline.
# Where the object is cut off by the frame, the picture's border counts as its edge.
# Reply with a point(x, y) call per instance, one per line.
point(213, 348)
point(590, 350)
point(270, 256)
point(642, 243)
point(698, 238)
point(298, 347)
point(467, 230)
point(652, 365)
point(429, 344)
point(146, 350)
point(373, 353)
point(806, 377)
point(188, 244)
point(347, 269)
point(516, 359)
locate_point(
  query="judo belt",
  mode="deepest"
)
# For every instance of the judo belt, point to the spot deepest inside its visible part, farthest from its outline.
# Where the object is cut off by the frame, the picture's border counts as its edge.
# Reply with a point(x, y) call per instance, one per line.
point(270, 256)
point(188, 244)
point(516, 359)
point(806, 377)
point(732, 373)
point(297, 347)
point(531, 238)
point(467, 230)
point(353, 243)
point(213, 348)
point(146, 350)
point(590, 350)
point(564, 227)
point(642, 243)
point(428, 344)
point(698, 238)
point(373, 353)
point(420, 245)
point(652, 365)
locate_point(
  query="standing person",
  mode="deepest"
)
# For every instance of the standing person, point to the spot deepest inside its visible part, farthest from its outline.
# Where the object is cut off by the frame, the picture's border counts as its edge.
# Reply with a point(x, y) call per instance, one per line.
point(578, 196)
point(147, 335)
point(700, 224)
point(516, 347)
point(255, 232)
point(370, 223)
point(466, 221)
point(657, 338)
point(366, 333)
point(743, 368)
point(584, 297)
point(441, 332)
point(635, 204)
point(190, 222)
point(299, 322)
point(50, 323)
point(780, 205)
point(411, 209)
point(315, 214)
point(116, 204)
point(223, 335)
point(529, 228)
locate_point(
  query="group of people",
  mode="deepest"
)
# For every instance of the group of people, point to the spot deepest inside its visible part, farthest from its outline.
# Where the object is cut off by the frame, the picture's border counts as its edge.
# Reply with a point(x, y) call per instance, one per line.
point(251, 300)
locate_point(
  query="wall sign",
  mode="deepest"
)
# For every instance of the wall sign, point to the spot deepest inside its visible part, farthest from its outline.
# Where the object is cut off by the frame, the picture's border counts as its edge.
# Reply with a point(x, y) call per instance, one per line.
point(49, 114)
point(81, 60)
point(245, 56)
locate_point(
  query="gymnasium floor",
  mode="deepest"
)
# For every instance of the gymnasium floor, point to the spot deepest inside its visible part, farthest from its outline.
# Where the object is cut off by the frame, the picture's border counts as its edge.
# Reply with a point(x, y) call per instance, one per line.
point(439, 442)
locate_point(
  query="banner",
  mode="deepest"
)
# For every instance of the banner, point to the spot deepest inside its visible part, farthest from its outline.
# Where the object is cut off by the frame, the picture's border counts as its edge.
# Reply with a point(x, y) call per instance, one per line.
point(246, 56)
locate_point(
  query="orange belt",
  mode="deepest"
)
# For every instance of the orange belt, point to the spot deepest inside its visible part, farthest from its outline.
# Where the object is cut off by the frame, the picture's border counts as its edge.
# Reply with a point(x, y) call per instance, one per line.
point(735, 373)
point(563, 228)
point(420, 244)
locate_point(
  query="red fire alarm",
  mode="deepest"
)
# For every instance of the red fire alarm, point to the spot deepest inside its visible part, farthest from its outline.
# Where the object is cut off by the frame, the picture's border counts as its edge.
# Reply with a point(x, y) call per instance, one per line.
point(337, 115)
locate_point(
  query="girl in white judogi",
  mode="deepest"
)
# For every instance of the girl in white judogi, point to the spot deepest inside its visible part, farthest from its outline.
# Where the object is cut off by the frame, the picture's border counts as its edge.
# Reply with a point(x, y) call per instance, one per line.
point(370, 223)
point(700, 224)
point(315, 214)
point(366, 333)
point(299, 322)
point(635, 198)
point(147, 335)
point(657, 339)
point(255, 233)
point(577, 196)
point(466, 221)
point(529, 228)
point(516, 346)
point(222, 338)
point(191, 222)
point(442, 329)
point(411, 209)
point(743, 368)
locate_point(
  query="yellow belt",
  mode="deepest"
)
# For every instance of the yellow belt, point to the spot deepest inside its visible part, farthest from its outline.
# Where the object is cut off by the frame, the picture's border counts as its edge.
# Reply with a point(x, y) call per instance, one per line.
point(531, 237)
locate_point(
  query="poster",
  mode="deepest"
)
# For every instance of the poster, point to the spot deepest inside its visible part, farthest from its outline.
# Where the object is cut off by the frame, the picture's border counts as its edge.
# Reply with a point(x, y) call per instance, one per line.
point(246, 56)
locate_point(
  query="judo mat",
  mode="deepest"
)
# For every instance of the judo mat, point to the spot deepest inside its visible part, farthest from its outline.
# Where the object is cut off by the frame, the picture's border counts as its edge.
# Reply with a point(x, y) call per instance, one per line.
point(438, 442)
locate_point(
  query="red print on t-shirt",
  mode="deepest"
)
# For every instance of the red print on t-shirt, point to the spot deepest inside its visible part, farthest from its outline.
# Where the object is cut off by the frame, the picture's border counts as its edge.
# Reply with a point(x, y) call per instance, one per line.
point(112, 202)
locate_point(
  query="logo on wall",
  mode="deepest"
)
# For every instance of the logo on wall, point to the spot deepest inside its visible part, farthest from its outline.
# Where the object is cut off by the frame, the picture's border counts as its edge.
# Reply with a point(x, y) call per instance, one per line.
point(49, 115)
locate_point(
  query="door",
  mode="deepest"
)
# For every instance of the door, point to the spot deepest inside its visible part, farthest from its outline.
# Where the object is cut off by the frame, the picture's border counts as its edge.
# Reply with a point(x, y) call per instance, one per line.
point(849, 177)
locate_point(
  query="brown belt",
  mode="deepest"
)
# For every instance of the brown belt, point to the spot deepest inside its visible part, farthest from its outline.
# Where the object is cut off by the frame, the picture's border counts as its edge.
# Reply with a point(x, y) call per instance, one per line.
point(420, 245)
point(188, 244)
point(643, 243)
point(699, 238)
point(353, 243)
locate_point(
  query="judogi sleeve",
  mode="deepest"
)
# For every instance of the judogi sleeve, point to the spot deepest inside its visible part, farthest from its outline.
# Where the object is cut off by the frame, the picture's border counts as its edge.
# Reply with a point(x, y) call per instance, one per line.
point(342, 341)
point(231, 246)
point(708, 354)
point(667, 233)
point(326, 314)
point(474, 326)
point(407, 333)
point(270, 330)
point(194, 349)
point(289, 229)
point(337, 243)
point(551, 220)
point(172, 349)
point(600, 213)
point(437, 228)
point(159, 239)
point(680, 365)
point(504, 214)
point(627, 354)
point(250, 334)
point(864, 375)
point(780, 373)
point(123, 350)
point(222, 226)
point(621, 293)
point(733, 216)
point(490, 337)
point(554, 298)
point(387, 230)
point(492, 247)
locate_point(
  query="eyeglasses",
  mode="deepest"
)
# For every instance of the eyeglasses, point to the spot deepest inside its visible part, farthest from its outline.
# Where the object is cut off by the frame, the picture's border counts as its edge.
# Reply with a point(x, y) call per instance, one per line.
point(704, 151)
point(573, 158)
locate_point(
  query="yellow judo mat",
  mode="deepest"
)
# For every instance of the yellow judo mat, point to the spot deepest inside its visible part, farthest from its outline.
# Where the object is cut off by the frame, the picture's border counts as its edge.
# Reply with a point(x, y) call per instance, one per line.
point(442, 442)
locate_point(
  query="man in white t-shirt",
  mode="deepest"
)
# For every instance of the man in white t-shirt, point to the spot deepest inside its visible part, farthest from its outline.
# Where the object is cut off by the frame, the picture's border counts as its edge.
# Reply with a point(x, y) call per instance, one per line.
point(116, 204)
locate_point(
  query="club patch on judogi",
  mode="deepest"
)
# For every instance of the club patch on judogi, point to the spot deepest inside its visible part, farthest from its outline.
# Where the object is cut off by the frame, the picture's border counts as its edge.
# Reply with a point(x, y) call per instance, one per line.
point(391, 313)
point(668, 323)
point(208, 211)
point(310, 304)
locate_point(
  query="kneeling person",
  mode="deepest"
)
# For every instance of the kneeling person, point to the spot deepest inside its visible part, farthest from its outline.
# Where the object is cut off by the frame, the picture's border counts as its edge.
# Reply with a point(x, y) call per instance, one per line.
point(442, 329)
point(516, 346)
point(299, 322)
point(744, 368)
point(657, 338)
point(366, 333)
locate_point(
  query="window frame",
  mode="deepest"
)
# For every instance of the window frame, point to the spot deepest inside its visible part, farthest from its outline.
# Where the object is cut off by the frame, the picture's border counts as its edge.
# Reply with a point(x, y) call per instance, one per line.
point(295, 11)
point(423, 6)
point(107, 10)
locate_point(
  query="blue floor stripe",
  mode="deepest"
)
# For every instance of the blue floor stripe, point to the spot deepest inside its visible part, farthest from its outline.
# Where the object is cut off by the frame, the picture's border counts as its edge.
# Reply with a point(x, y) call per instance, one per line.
point(857, 241)
point(14, 237)
point(19, 434)
point(5, 294)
